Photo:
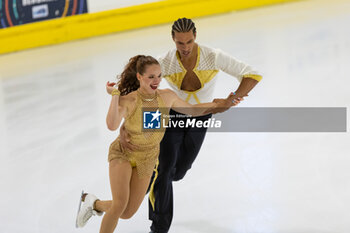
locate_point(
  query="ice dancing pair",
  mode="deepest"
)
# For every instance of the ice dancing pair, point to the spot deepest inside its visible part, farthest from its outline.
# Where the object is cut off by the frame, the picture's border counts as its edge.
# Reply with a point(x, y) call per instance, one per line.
point(130, 171)
point(191, 71)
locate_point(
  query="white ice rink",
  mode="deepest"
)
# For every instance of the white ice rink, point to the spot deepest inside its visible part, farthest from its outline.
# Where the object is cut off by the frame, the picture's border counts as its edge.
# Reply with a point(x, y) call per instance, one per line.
point(54, 140)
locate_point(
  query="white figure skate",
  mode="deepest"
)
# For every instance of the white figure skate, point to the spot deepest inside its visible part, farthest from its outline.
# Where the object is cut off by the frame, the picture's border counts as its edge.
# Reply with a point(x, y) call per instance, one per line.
point(86, 211)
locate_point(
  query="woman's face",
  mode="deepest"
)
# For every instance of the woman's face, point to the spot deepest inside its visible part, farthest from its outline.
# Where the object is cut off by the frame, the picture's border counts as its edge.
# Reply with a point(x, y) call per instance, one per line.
point(150, 79)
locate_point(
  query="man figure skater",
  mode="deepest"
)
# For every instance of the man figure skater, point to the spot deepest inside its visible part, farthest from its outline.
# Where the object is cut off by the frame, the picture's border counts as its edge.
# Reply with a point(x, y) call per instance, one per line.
point(190, 70)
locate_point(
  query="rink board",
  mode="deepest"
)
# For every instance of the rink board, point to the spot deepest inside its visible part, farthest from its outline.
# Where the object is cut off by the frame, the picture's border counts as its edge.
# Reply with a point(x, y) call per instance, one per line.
point(94, 24)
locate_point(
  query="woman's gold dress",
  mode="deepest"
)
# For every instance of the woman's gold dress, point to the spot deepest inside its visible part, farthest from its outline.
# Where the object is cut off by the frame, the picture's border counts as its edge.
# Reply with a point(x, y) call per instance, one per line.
point(145, 158)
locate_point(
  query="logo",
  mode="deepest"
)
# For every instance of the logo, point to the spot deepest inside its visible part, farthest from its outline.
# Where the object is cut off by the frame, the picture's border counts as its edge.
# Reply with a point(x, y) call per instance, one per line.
point(40, 11)
point(151, 120)
point(193, 123)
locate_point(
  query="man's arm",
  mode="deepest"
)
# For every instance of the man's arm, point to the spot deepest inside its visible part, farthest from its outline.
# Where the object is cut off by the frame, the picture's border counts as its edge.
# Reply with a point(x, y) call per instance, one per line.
point(124, 138)
point(247, 76)
point(246, 86)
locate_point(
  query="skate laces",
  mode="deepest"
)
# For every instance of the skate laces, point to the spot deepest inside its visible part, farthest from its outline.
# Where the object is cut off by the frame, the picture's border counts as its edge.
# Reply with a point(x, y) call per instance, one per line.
point(87, 214)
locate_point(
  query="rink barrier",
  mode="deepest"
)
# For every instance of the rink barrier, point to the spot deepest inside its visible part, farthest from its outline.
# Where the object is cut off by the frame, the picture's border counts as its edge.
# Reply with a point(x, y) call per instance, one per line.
point(70, 28)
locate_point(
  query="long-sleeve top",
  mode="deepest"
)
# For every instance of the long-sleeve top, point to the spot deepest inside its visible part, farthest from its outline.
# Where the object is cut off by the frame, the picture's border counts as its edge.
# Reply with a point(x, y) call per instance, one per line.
point(209, 62)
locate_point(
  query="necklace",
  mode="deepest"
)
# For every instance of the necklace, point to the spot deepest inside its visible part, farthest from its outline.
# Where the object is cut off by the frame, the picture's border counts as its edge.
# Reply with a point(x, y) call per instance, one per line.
point(147, 97)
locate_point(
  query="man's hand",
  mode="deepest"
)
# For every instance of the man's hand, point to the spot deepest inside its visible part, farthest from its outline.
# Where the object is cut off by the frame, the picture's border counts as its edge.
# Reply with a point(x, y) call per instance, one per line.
point(235, 98)
point(224, 104)
point(125, 140)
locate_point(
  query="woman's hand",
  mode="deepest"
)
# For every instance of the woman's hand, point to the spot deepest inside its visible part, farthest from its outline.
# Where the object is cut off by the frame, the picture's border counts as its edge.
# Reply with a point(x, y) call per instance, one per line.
point(225, 104)
point(110, 87)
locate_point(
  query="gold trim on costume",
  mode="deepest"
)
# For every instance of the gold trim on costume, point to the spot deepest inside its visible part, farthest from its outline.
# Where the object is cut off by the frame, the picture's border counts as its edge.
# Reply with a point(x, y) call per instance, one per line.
point(204, 76)
point(151, 196)
point(253, 76)
point(196, 98)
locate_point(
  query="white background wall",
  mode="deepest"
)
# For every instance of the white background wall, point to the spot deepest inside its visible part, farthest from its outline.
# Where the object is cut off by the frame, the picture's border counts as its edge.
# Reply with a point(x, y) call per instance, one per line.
point(103, 5)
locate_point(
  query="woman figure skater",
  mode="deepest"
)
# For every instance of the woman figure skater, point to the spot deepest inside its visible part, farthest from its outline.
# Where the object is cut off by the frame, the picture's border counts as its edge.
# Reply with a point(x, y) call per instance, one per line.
point(130, 171)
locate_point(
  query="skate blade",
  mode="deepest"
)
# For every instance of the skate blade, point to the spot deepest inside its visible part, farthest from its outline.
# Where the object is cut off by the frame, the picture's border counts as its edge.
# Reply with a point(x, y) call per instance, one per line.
point(80, 201)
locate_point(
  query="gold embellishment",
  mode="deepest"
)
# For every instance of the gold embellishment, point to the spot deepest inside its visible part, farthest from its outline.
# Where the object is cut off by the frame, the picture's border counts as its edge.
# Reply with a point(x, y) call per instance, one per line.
point(176, 79)
point(151, 196)
point(196, 98)
point(115, 92)
point(146, 97)
point(179, 77)
point(253, 76)
point(149, 100)
point(204, 76)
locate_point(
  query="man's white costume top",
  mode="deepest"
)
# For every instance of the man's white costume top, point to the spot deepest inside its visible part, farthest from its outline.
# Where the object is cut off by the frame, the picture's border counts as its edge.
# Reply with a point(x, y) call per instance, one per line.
point(209, 62)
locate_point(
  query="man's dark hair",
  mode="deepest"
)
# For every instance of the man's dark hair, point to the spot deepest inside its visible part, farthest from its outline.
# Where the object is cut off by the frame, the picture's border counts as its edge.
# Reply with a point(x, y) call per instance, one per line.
point(183, 25)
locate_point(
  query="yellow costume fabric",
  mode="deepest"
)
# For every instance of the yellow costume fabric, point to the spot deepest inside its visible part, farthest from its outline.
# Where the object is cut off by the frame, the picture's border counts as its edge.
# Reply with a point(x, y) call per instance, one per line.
point(146, 156)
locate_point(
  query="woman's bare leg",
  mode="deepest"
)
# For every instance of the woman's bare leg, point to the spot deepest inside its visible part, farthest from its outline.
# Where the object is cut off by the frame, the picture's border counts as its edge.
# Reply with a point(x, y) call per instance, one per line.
point(138, 189)
point(119, 176)
point(137, 194)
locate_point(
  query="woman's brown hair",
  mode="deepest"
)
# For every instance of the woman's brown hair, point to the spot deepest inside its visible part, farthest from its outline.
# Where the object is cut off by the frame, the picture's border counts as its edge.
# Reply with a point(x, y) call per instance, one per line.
point(128, 81)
